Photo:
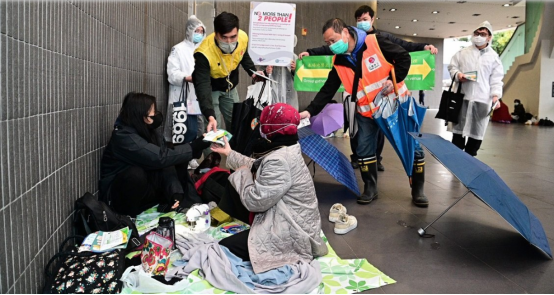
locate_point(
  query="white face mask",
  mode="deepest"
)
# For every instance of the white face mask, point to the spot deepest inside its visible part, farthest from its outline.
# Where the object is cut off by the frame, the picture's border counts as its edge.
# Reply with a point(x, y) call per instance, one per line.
point(227, 47)
point(264, 135)
point(478, 40)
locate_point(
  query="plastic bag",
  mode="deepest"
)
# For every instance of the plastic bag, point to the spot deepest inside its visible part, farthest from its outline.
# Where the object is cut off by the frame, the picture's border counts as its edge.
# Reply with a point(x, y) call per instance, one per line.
point(137, 280)
point(155, 254)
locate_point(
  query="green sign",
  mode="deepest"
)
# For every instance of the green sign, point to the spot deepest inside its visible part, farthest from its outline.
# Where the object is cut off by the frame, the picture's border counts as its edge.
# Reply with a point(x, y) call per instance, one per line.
point(422, 71)
point(311, 73)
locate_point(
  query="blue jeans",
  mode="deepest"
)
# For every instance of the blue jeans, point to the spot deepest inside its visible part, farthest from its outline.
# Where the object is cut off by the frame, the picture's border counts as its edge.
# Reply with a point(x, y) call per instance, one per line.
point(367, 139)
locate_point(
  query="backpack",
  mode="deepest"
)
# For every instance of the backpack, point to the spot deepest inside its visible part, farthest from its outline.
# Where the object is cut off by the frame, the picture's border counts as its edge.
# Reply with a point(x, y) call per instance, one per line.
point(85, 272)
point(92, 215)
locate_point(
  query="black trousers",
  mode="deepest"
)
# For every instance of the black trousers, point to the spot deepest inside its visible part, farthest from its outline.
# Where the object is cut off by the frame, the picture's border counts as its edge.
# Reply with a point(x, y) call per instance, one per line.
point(136, 189)
point(238, 244)
point(230, 203)
point(378, 151)
point(471, 146)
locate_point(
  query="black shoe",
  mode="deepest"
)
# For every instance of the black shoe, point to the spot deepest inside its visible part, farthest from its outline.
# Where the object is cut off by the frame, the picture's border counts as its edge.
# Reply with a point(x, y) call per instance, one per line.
point(418, 180)
point(368, 169)
point(380, 167)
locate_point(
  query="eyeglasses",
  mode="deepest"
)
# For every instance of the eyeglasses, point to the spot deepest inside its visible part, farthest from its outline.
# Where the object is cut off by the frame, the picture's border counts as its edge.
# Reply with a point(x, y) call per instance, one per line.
point(480, 34)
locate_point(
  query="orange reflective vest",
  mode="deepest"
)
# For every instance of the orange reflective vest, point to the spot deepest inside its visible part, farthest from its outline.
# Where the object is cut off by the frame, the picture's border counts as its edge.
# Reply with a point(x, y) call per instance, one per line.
point(375, 72)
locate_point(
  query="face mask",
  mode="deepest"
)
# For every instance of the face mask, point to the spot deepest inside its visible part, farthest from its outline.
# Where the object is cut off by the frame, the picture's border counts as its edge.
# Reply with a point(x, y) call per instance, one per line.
point(339, 47)
point(478, 40)
point(364, 25)
point(264, 135)
point(197, 37)
point(157, 120)
point(227, 47)
point(516, 103)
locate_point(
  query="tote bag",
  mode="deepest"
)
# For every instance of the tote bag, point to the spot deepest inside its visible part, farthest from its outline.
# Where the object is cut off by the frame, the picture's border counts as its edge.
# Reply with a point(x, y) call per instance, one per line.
point(180, 115)
point(451, 104)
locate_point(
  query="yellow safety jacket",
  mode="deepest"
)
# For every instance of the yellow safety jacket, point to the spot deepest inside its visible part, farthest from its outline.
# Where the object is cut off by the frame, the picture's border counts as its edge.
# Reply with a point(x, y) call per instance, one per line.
point(221, 64)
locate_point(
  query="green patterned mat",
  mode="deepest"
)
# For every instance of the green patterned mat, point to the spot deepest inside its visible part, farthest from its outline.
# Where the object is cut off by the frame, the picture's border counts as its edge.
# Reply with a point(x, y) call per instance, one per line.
point(340, 276)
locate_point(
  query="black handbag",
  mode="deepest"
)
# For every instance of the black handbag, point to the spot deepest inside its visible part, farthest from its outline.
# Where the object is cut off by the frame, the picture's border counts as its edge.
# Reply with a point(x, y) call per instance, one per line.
point(85, 272)
point(92, 215)
point(451, 104)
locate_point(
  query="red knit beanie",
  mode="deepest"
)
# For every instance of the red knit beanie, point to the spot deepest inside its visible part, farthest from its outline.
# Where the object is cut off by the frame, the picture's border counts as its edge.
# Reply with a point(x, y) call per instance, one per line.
point(279, 118)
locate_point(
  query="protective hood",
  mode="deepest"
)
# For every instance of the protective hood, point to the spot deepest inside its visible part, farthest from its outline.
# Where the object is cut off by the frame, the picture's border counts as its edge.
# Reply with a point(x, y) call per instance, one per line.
point(192, 24)
point(486, 25)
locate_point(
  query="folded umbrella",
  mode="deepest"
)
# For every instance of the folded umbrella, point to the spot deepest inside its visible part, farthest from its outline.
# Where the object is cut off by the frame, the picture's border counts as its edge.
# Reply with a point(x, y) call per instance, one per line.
point(486, 185)
point(330, 119)
point(396, 119)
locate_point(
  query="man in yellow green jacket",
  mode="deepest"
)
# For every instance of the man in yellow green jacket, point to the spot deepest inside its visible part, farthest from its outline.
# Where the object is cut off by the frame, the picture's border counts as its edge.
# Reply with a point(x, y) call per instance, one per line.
point(216, 74)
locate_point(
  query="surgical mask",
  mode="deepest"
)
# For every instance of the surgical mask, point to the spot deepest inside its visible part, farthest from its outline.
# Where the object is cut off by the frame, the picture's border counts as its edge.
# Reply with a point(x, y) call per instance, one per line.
point(227, 47)
point(157, 120)
point(516, 103)
point(197, 37)
point(339, 47)
point(364, 25)
point(479, 40)
point(264, 135)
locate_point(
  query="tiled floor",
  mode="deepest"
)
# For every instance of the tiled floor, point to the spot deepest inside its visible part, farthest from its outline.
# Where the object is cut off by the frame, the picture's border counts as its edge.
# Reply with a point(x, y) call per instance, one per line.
point(474, 250)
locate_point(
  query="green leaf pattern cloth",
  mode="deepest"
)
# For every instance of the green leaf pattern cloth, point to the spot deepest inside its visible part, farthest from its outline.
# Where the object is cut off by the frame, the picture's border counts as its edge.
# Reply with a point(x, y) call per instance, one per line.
point(340, 276)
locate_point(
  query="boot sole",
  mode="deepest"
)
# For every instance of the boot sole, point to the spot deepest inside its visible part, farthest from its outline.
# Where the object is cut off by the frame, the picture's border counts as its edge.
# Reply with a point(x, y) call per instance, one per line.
point(365, 202)
point(421, 205)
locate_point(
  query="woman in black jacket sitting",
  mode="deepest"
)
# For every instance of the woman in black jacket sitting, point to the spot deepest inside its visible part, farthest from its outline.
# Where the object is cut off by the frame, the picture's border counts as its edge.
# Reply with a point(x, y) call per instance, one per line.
point(138, 170)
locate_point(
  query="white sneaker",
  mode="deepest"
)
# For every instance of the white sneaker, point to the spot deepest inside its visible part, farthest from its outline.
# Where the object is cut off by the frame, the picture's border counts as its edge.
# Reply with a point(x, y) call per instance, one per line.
point(335, 211)
point(193, 164)
point(345, 223)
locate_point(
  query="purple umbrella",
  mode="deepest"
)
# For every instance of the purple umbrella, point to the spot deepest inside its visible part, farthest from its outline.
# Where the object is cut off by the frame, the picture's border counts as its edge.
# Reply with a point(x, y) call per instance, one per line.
point(329, 120)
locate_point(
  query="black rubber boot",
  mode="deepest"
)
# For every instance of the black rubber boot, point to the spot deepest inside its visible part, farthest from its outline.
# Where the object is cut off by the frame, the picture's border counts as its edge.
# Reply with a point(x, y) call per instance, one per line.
point(368, 169)
point(354, 161)
point(418, 180)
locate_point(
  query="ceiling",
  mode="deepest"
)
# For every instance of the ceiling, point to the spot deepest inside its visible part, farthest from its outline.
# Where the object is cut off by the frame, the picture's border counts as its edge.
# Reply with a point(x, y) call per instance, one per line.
point(453, 18)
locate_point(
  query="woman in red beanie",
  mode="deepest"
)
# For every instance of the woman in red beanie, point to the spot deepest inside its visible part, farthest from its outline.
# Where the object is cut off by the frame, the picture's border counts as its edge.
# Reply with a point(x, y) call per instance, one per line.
point(276, 185)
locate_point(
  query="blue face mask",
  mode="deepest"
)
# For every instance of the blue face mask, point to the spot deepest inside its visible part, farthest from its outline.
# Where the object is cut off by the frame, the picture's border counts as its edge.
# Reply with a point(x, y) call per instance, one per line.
point(197, 37)
point(339, 47)
point(364, 25)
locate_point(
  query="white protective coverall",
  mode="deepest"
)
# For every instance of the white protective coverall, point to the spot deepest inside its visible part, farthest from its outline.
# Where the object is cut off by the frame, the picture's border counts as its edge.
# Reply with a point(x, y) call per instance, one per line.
point(180, 64)
point(474, 115)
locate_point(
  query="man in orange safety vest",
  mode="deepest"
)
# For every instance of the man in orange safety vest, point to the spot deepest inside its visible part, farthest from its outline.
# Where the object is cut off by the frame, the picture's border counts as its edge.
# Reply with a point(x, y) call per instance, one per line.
point(363, 64)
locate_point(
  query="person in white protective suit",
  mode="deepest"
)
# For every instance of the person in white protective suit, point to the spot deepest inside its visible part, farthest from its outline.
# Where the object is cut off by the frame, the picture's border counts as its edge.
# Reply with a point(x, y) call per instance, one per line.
point(180, 65)
point(480, 71)
point(284, 90)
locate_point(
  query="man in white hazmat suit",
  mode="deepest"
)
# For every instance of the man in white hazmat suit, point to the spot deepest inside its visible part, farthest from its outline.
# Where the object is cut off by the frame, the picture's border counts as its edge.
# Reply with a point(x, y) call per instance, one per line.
point(480, 71)
point(180, 65)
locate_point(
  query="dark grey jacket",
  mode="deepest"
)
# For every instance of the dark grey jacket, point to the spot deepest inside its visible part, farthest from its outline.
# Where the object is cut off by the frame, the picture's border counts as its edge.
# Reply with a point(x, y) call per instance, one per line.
point(127, 148)
point(408, 46)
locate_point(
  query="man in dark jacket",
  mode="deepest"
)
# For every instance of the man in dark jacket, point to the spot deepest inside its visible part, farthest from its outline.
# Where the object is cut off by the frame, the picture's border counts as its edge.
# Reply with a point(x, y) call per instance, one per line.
point(365, 17)
point(355, 58)
point(216, 70)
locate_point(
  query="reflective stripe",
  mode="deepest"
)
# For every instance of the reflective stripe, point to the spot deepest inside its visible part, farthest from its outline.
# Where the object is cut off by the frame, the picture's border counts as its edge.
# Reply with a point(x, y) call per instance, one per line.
point(372, 87)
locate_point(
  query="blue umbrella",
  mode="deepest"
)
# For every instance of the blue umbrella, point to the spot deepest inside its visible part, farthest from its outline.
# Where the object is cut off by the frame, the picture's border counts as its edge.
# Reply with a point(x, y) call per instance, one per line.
point(486, 185)
point(397, 119)
point(328, 157)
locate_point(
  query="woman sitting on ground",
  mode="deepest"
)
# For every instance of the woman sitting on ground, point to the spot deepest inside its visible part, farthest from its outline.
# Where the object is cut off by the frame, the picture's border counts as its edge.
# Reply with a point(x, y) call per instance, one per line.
point(137, 170)
point(275, 185)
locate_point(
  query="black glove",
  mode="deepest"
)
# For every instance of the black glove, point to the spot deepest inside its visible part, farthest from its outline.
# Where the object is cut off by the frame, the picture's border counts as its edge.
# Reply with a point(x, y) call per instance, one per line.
point(197, 146)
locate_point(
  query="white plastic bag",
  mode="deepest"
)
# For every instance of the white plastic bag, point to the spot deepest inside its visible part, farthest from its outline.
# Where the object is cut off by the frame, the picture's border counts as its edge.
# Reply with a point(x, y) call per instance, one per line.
point(136, 279)
point(261, 92)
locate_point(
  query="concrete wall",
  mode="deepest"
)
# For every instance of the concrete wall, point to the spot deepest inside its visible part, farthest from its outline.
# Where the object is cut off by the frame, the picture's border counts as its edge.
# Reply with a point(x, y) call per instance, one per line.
point(530, 77)
point(546, 97)
point(64, 69)
point(311, 16)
